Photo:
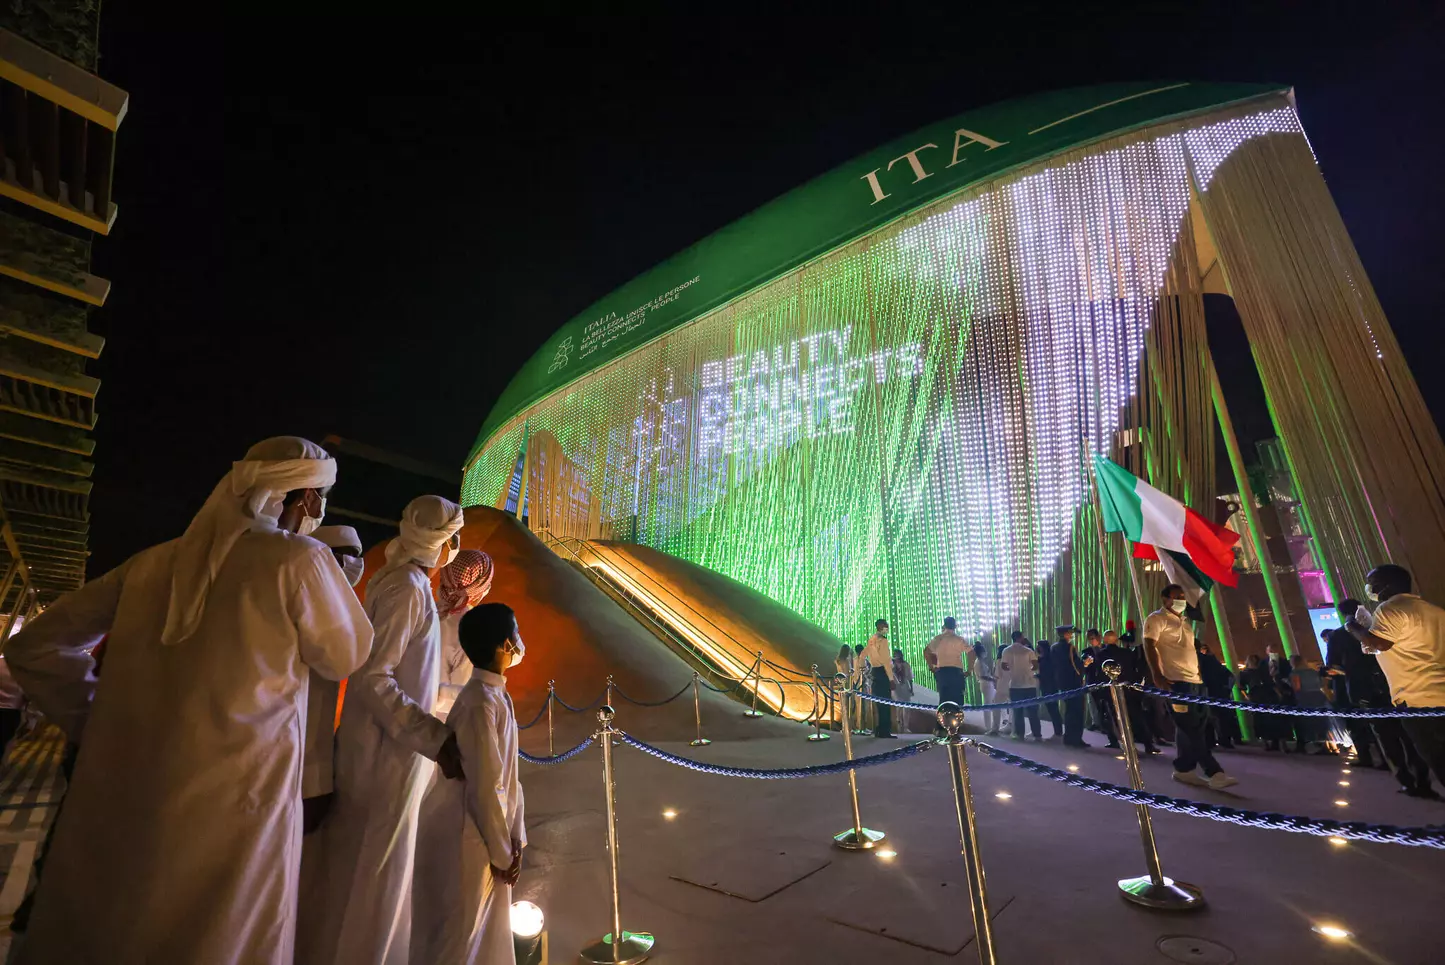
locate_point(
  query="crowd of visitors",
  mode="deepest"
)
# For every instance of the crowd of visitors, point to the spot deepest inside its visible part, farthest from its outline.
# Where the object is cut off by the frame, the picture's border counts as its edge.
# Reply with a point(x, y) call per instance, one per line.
point(1394, 656)
point(220, 809)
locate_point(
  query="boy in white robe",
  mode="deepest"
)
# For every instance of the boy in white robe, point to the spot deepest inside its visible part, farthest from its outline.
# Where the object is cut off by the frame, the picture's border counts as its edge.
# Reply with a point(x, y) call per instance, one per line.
point(471, 834)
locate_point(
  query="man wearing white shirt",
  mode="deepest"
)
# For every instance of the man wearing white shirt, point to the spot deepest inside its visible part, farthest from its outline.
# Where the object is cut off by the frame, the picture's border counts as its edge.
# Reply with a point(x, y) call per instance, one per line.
point(879, 653)
point(945, 657)
point(1407, 635)
point(1018, 668)
point(1169, 648)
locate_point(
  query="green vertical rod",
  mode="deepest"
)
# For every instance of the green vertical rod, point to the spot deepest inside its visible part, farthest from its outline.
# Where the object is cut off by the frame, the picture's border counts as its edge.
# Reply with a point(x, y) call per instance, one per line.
point(1251, 513)
point(1226, 646)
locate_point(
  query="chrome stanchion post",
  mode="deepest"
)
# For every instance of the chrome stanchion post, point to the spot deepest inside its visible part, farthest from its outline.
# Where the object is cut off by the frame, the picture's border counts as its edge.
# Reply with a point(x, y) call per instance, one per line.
point(757, 686)
point(551, 696)
point(817, 734)
point(632, 947)
point(697, 714)
point(1152, 890)
point(607, 701)
point(856, 838)
point(950, 721)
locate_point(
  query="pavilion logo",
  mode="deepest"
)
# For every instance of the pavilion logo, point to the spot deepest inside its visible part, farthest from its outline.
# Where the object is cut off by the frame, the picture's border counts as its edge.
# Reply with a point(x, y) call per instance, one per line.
point(963, 139)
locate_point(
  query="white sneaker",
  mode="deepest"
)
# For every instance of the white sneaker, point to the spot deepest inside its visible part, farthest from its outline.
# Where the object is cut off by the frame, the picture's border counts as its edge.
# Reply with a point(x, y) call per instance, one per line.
point(1190, 777)
point(1222, 780)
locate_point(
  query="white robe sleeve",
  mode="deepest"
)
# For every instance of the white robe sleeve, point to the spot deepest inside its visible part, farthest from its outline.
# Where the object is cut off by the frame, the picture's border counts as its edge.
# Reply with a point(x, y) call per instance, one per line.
point(487, 795)
point(398, 612)
point(332, 629)
point(49, 656)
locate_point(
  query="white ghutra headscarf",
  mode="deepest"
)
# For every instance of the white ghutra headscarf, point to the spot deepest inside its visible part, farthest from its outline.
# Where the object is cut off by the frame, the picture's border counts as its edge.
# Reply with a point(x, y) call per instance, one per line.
point(254, 488)
point(427, 526)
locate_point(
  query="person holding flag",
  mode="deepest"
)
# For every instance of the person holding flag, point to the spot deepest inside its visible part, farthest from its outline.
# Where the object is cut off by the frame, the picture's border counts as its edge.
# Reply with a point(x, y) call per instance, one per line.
point(1195, 554)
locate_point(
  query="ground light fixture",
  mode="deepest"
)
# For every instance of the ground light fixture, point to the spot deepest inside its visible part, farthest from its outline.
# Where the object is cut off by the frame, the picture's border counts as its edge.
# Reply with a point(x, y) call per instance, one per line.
point(886, 854)
point(1333, 932)
point(1338, 841)
point(1073, 768)
point(1342, 803)
point(1003, 795)
point(669, 814)
point(529, 935)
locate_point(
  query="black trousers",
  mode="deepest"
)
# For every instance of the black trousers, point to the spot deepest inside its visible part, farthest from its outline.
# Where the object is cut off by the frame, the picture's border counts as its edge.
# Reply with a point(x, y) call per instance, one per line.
point(950, 685)
point(883, 687)
point(1074, 720)
point(1190, 742)
point(1055, 717)
point(1428, 736)
point(1024, 693)
point(1409, 768)
point(9, 724)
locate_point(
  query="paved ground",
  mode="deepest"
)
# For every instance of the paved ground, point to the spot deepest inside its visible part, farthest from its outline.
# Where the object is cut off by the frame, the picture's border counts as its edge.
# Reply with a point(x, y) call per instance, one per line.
point(30, 786)
point(744, 871)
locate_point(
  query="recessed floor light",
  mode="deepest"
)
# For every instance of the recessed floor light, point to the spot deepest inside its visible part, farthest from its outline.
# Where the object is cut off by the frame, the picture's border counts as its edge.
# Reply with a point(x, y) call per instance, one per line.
point(1338, 841)
point(1344, 784)
point(886, 854)
point(1120, 757)
point(1342, 803)
point(1074, 768)
point(669, 814)
point(1333, 932)
point(1003, 795)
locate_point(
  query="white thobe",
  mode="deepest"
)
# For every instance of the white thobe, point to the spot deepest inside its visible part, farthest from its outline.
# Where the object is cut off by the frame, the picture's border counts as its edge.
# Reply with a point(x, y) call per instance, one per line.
point(180, 837)
point(385, 748)
point(461, 912)
point(456, 668)
point(317, 777)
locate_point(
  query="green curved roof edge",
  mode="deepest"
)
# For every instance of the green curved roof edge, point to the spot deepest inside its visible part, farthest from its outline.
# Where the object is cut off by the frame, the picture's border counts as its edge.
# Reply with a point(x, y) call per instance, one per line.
point(842, 205)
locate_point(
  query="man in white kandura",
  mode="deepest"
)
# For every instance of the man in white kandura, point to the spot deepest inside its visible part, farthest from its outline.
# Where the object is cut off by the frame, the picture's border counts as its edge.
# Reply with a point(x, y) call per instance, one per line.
point(317, 773)
point(385, 746)
point(180, 838)
point(469, 849)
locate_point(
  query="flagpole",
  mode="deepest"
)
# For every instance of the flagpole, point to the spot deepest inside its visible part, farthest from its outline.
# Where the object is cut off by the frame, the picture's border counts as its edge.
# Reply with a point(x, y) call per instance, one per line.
point(1103, 548)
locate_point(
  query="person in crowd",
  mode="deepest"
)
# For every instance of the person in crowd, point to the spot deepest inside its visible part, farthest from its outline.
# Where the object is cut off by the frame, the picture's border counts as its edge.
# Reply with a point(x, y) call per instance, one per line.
point(1281, 671)
point(1407, 636)
point(1068, 670)
point(1155, 711)
point(464, 583)
point(902, 677)
point(1048, 686)
point(179, 838)
point(879, 655)
point(385, 747)
point(1223, 724)
point(944, 655)
point(1260, 687)
point(1103, 704)
point(1114, 649)
point(865, 715)
point(985, 666)
point(1358, 682)
point(317, 773)
point(1019, 671)
point(1169, 648)
point(472, 832)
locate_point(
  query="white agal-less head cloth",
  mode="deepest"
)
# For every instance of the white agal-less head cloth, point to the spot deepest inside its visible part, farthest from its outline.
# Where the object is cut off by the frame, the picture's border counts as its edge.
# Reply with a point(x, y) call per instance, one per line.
point(427, 526)
point(346, 541)
point(250, 492)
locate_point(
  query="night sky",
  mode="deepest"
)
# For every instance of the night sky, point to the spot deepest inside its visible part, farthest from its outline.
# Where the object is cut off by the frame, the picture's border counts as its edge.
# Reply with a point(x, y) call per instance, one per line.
point(363, 227)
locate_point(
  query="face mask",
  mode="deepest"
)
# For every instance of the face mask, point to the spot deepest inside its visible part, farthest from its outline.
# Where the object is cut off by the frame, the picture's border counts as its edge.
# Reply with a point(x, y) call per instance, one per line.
point(516, 651)
point(309, 524)
point(354, 567)
point(1371, 595)
point(1178, 606)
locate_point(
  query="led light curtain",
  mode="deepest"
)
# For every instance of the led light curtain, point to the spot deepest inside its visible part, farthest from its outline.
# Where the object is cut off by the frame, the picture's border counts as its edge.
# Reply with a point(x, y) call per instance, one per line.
point(1365, 454)
point(903, 428)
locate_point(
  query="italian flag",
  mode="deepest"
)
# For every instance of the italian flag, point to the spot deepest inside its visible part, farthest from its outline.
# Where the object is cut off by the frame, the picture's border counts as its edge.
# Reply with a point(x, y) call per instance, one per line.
point(1194, 552)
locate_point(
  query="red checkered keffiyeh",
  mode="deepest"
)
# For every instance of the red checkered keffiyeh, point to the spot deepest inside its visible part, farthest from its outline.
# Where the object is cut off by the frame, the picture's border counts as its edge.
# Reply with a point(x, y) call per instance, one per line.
point(465, 581)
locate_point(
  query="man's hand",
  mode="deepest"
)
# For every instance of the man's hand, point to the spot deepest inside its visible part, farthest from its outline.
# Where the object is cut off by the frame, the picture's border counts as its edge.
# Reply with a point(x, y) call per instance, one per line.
point(509, 876)
point(449, 759)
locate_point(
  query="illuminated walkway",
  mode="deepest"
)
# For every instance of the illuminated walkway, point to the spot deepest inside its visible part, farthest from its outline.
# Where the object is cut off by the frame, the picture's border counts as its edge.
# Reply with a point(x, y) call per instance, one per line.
point(744, 871)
